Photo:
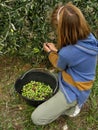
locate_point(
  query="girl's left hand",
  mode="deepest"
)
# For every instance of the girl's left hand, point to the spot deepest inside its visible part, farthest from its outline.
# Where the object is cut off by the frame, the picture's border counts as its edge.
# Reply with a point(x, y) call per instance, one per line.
point(49, 47)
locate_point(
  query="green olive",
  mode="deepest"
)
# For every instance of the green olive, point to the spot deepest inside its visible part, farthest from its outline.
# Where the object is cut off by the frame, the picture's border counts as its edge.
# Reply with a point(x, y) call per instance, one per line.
point(36, 90)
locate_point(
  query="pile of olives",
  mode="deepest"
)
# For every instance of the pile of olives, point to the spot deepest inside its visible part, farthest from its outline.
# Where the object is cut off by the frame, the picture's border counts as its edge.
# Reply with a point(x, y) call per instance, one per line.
point(36, 91)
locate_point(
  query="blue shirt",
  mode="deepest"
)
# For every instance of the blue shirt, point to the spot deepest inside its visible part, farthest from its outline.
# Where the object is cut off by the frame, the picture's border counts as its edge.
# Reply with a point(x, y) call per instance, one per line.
point(79, 62)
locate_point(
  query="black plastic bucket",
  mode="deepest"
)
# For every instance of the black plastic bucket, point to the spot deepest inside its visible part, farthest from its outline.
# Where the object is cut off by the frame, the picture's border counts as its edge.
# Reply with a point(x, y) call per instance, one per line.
point(40, 75)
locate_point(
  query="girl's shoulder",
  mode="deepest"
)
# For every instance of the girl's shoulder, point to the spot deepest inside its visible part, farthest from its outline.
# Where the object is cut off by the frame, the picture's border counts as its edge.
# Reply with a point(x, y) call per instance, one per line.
point(68, 49)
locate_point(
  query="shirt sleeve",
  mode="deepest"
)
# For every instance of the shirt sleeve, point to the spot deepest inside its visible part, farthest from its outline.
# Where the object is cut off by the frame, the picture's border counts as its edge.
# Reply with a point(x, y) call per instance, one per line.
point(62, 62)
point(53, 58)
point(57, 60)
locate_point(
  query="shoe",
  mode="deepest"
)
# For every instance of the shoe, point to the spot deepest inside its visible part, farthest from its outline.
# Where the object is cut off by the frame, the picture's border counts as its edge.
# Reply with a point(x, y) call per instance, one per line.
point(76, 112)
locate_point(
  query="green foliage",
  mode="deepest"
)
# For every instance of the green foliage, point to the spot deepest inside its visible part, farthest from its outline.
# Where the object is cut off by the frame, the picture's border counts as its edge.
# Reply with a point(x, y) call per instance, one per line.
point(90, 11)
point(24, 25)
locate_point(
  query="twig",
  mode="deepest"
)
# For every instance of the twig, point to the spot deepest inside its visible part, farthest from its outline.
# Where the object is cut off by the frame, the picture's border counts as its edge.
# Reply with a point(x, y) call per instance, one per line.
point(8, 28)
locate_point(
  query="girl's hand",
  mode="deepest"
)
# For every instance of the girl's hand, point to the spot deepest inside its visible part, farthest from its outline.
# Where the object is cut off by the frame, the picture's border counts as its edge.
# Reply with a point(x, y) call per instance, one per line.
point(46, 47)
point(49, 47)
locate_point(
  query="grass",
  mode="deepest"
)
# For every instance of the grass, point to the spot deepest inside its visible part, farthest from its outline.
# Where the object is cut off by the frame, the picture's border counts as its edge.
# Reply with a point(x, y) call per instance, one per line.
point(15, 114)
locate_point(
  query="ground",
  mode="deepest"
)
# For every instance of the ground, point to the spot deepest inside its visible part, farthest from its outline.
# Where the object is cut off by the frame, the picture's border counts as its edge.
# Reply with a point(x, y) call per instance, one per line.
point(15, 113)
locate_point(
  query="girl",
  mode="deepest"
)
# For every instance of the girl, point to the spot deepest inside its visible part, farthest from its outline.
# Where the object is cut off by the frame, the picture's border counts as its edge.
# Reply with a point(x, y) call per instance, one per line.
point(75, 56)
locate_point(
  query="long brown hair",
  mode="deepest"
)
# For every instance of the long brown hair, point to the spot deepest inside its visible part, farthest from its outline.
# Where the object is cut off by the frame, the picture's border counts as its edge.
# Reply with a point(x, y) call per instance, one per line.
point(71, 25)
